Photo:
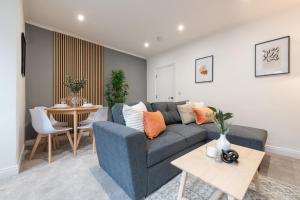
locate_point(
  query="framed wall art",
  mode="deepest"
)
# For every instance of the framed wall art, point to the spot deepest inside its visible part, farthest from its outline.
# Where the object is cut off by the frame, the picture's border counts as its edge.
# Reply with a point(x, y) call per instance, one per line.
point(204, 69)
point(272, 57)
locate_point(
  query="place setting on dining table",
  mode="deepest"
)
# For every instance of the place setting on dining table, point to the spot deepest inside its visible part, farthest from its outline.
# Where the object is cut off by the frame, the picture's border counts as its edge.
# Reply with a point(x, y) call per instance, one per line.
point(73, 105)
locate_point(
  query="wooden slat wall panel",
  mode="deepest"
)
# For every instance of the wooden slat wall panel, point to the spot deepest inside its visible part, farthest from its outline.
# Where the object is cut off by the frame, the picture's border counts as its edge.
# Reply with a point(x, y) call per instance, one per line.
point(81, 60)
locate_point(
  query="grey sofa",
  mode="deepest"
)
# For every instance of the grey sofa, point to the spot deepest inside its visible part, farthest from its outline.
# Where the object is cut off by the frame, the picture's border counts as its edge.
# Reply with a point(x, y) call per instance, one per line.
point(141, 166)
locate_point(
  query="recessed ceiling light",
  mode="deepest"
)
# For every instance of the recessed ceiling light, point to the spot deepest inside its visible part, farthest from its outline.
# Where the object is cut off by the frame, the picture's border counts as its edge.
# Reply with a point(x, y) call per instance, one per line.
point(146, 44)
point(80, 17)
point(180, 27)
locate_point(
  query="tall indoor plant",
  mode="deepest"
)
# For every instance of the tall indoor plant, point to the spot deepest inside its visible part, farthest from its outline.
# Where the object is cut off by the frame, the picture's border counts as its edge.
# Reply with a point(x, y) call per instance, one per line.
point(117, 88)
point(220, 119)
point(75, 86)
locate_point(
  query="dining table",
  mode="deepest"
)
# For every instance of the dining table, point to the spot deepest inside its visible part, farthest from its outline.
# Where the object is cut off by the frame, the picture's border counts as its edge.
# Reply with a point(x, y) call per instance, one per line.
point(75, 111)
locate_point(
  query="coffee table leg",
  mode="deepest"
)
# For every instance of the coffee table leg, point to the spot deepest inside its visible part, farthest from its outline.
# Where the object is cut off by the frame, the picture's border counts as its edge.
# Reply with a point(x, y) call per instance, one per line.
point(256, 181)
point(182, 185)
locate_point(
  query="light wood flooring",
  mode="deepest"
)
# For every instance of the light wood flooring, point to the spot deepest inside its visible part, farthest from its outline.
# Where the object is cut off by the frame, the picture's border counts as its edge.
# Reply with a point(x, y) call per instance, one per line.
point(281, 168)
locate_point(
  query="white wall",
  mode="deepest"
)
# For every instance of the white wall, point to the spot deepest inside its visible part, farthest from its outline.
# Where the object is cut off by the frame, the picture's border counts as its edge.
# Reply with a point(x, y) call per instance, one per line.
point(271, 103)
point(12, 86)
point(20, 104)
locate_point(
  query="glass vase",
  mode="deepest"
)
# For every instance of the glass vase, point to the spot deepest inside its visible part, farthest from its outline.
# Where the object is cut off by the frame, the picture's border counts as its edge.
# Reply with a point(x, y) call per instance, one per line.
point(75, 99)
point(223, 143)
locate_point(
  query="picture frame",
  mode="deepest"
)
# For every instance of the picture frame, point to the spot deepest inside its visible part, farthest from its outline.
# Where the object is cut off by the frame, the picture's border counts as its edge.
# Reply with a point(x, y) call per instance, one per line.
point(23, 55)
point(272, 57)
point(204, 69)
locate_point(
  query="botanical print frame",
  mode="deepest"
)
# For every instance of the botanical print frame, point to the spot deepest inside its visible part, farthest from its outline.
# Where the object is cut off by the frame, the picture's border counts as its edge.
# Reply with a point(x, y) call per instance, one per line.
point(204, 69)
point(272, 57)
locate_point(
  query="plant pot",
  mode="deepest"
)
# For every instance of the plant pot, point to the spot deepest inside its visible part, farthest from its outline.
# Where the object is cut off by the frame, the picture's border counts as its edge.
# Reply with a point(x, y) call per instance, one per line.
point(223, 143)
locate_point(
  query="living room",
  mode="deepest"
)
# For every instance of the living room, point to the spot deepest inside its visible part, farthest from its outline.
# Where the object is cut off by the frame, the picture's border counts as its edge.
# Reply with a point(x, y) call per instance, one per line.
point(178, 99)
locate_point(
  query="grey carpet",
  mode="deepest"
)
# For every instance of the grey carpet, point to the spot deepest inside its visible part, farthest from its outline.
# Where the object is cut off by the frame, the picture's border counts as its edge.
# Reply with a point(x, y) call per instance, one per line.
point(70, 178)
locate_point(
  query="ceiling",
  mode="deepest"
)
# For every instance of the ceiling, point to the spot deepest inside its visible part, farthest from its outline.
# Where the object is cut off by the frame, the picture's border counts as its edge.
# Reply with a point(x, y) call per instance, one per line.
point(127, 24)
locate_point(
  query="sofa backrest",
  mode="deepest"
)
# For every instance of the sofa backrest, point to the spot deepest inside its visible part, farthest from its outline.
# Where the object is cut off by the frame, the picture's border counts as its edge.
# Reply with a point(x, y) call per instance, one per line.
point(117, 111)
point(169, 111)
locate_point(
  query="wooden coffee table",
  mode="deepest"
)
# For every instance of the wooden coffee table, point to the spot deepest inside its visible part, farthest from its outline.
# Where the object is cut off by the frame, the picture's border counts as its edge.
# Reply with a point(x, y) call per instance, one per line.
point(231, 179)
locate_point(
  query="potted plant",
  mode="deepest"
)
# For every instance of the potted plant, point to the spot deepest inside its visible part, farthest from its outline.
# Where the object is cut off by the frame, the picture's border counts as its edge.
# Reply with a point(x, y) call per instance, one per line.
point(116, 88)
point(75, 86)
point(220, 120)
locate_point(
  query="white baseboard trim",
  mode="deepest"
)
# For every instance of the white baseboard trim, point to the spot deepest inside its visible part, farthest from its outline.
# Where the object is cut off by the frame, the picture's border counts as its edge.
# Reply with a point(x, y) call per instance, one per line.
point(283, 151)
point(21, 157)
point(13, 170)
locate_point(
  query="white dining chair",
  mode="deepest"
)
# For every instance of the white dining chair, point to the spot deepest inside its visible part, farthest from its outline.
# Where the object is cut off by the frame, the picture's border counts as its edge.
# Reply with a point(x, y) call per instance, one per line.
point(89, 119)
point(53, 121)
point(100, 115)
point(42, 125)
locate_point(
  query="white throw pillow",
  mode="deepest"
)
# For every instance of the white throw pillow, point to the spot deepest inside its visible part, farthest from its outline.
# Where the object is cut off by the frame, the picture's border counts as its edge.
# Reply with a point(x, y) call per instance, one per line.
point(186, 113)
point(133, 116)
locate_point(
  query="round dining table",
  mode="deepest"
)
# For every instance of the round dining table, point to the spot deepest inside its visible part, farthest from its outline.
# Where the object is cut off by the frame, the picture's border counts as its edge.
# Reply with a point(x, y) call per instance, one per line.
point(75, 111)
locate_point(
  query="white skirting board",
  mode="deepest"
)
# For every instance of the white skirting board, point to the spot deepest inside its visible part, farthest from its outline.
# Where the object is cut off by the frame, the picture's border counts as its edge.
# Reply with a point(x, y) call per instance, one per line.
point(13, 170)
point(283, 151)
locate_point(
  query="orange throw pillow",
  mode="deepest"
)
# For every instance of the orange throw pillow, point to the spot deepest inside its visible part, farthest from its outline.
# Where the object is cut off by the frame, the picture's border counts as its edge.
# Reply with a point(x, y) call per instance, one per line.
point(154, 124)
point(203, 115)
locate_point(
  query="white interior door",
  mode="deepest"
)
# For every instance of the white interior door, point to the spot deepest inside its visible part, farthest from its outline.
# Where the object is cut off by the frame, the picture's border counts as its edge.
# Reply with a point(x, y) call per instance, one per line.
point(165, 83)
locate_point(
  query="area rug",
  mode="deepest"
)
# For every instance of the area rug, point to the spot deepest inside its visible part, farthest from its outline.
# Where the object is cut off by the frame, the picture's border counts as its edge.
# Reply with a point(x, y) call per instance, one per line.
point(198, 190)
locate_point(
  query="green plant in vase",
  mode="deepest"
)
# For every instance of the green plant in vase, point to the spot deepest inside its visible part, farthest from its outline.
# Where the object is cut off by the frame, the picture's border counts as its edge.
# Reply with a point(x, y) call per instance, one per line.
point(117, 88)
point(75, 86)
point(220, 120)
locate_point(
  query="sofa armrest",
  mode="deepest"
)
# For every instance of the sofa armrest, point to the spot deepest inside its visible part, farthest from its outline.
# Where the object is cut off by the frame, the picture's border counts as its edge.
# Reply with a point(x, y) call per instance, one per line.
point(122, 154)
point(241, 135)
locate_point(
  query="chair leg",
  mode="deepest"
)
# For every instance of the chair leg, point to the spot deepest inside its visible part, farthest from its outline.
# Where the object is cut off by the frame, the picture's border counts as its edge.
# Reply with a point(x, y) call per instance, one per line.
point(94, 142)
point(36, 143)
point(70, 139)
point(49, 148)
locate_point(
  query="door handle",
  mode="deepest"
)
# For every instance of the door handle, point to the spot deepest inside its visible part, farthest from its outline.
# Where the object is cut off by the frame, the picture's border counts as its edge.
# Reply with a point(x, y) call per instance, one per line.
point(171, 98)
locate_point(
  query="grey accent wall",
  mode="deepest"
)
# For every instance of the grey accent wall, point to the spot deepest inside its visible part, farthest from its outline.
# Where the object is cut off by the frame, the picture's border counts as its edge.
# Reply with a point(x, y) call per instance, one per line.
point(39, 71)
point(135, 71)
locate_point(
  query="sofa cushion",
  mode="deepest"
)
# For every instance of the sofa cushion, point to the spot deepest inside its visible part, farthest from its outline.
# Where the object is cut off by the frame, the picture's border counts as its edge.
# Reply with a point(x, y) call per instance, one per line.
point(164, 171)
point(164, 146)
point(154, 124)
point(203, 115)
point(169, 111)
point(133, 116)
point(186, 113)
point(241, 135)
point(117, 112)
point(192, 134)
